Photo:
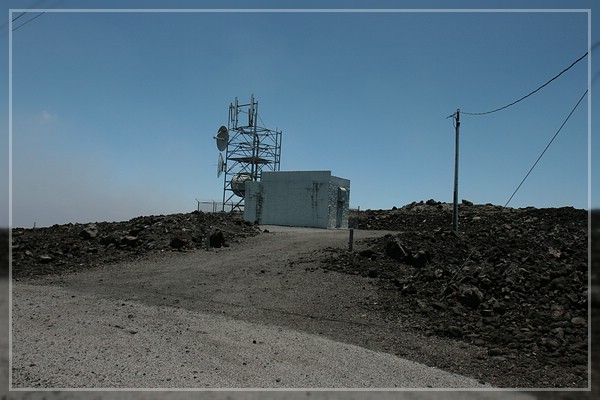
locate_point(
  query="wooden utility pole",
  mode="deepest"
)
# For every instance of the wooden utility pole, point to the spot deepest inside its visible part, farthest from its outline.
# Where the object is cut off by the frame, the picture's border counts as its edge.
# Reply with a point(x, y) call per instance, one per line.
point(455, 205)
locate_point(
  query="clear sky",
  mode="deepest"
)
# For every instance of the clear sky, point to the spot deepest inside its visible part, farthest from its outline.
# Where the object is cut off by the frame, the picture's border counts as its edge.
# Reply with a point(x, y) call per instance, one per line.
point(114, 113)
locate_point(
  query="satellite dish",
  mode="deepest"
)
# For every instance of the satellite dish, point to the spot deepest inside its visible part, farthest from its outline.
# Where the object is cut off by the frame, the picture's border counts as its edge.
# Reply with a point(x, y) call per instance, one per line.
point(238, 183)
point(222, 138)
point(220, 166)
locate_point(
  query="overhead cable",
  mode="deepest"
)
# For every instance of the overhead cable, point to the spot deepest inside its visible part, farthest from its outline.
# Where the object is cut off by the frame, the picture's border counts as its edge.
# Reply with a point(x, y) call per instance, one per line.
point(554, 137)
point(28, 21)
point(18, 16)
point(529, 94)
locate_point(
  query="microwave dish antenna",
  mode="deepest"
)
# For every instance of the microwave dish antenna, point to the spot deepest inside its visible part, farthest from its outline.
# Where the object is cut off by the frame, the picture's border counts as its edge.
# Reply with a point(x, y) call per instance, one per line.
point(238, 183)
point(220, 166)
point(222, 138)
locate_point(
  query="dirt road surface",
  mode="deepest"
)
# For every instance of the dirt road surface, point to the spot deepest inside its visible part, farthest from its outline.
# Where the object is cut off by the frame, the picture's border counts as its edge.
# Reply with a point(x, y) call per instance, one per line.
point(255, 315)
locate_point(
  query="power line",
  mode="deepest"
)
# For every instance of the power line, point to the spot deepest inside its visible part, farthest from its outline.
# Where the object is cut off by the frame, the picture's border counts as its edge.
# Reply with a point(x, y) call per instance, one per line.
point(529, 94)
point(554, 137)
point(28, 21)
point(18, 16)
point(34, 5)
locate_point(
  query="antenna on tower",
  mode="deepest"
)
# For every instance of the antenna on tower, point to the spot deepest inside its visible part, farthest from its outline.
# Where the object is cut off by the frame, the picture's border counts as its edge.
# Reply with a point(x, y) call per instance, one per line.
point(220, 166)
point(251, 112)
point(222, 138)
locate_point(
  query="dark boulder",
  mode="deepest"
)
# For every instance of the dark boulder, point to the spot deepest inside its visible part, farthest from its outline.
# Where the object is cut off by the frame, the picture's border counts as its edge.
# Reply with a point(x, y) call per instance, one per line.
point(420, 259)
point(178, 242)
point(110, 239)
point(470, 297)
point(89, 232)
point(367, 253)
point(129, 240)
point(394, 249)
point(217, 239)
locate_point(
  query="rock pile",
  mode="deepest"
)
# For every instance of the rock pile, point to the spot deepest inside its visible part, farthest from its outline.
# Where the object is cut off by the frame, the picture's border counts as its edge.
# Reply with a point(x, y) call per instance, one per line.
point(75, 247)
point(512, 280)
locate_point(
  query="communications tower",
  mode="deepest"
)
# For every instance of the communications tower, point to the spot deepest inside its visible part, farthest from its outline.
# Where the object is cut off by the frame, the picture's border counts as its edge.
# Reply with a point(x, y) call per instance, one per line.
point(249, 149)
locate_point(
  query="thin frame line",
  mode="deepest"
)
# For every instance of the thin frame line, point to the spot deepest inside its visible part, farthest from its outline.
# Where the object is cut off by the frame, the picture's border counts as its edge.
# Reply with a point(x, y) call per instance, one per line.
point(589, 117)
point(10, 197)
point(299, 10)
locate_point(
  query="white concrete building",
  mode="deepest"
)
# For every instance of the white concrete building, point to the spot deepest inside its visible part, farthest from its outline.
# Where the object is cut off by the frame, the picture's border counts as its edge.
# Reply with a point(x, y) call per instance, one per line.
point(298, 198)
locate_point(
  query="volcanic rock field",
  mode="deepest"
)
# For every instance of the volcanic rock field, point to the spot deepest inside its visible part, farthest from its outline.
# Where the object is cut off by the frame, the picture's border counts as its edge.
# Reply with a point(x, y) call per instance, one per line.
point(514, 281)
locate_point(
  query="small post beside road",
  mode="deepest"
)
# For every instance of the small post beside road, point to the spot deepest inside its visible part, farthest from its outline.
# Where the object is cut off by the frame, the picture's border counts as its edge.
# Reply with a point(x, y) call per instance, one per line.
point(455, 204)
point(208, 229)
point(351, 239)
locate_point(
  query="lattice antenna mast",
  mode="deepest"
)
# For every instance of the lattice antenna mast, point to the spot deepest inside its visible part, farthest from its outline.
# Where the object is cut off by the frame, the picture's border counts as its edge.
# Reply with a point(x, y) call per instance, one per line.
point(250, 149)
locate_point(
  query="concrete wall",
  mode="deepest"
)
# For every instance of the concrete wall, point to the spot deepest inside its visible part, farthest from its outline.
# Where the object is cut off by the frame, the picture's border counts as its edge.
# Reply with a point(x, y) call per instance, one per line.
point(298, 198)
point(339, 202)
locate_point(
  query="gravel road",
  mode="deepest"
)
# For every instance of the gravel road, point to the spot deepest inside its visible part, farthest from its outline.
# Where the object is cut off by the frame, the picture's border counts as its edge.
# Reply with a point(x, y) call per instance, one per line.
point(73, 340)
point(246, 316)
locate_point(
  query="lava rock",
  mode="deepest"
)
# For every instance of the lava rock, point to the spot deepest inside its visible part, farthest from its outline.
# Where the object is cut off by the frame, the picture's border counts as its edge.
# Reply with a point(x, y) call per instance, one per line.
point(557, 312)
point(394, 250)
point(129, 240)
point(495, 351)
point(178, 242)
point(419, 260)
point(368, 253)
point(454, 331)
point(89, 232)
point(109, 239)
point(217, 239)
point(45, 259)
point(470, 297)
point(136, 230)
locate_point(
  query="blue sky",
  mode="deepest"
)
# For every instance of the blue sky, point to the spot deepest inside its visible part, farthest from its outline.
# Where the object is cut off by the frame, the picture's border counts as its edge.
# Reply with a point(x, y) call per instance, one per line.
point(114, 113)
